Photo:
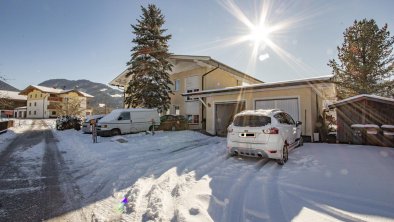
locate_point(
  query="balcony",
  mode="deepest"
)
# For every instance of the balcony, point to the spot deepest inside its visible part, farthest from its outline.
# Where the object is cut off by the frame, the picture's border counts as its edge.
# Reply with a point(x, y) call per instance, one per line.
point(53, 106)
point(55, 99)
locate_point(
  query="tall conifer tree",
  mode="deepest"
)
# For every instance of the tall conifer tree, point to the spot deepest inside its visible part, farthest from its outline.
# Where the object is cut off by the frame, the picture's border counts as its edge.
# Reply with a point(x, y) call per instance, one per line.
point(366, 61)
point(149, 66)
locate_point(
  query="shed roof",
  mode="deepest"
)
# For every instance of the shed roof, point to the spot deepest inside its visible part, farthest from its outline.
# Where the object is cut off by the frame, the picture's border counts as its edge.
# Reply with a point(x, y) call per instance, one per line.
point(362, 97)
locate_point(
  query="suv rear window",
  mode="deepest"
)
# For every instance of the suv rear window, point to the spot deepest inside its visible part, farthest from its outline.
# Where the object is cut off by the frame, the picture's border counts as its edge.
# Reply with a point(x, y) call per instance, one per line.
point(251, 121)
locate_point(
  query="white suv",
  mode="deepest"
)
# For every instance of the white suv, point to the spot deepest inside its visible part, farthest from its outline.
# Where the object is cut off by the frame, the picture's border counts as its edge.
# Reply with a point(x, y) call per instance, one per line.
point(264, 133)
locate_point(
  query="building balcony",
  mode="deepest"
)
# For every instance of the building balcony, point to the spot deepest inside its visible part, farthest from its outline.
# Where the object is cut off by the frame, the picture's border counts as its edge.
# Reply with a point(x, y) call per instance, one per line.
point(55, 99)
point(52, 106)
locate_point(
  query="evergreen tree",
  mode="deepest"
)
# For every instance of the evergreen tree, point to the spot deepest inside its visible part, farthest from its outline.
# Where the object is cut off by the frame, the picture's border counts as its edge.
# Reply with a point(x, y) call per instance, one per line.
point(366, 61)
point(149, 66)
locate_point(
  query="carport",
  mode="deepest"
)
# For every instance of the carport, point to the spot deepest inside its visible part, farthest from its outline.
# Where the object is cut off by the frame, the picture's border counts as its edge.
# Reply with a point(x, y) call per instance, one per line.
point(224, 114)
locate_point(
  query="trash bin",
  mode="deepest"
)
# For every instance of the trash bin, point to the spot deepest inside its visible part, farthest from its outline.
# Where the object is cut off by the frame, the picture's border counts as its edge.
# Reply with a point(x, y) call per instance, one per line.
point(358, 134)
point(388, 135)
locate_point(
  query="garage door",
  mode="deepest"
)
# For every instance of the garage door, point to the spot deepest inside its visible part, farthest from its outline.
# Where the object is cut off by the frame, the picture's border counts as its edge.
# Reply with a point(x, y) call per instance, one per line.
point(224, 114)
point(288, 105)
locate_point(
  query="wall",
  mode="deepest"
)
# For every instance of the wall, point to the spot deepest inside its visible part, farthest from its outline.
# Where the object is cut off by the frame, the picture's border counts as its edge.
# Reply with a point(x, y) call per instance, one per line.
point(37, 101)
point(303, 93)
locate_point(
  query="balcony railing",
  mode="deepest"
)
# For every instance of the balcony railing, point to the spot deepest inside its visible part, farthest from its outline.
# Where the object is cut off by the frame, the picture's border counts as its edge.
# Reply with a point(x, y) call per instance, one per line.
point(55, 99)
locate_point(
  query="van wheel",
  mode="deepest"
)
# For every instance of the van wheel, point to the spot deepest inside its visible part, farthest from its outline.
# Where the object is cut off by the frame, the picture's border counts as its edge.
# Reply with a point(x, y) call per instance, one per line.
point(115, 132)
point(285, 155)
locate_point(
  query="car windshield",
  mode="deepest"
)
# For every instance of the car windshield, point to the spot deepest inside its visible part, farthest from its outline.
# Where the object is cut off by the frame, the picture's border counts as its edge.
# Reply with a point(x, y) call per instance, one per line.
point(252, 120)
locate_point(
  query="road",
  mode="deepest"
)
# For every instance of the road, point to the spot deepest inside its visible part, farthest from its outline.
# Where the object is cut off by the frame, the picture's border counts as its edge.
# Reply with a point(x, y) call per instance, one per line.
point(35, 183)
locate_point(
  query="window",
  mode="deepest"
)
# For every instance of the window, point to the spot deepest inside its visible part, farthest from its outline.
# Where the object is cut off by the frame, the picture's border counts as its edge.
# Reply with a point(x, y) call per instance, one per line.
point(35, 104)
point(193, 119)
point(177, 111)
point(289, 119)
point(252, 121)
point(35, 112)
point(29, 104)
point(35, 95)
point(29, 112)
point(53, 112)
point(281, 118)
point(31, 96)
point(176, 85)
point(124, 116)
point(41, 95)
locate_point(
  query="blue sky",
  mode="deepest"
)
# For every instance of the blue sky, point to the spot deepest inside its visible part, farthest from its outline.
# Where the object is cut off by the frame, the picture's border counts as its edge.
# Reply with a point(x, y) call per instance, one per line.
point(46, 39)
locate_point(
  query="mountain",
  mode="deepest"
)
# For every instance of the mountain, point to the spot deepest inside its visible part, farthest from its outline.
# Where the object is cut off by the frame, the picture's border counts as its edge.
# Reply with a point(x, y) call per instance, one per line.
point(5, 86)
point(103, 94)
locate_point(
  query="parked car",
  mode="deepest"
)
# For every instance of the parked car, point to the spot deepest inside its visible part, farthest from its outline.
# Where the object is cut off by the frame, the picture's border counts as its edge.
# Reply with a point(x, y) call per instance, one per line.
point(86, 127)
point(122, 121)
point(264, 133)
point(173, 122)
point(68, 122)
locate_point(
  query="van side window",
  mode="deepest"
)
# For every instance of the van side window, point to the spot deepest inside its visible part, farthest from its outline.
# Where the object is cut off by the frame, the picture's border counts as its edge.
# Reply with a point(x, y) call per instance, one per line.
point(124, 116)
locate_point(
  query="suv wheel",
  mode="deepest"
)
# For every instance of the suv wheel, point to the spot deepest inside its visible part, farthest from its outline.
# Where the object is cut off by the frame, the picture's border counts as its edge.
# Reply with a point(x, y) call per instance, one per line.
point(285, 155)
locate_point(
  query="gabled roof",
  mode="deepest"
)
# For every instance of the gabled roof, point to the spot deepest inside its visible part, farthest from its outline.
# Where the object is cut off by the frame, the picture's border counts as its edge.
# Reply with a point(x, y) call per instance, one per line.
point(44, 89)
point(298, 82)
point(362, 97)
point(12, 95)
point(200, 61)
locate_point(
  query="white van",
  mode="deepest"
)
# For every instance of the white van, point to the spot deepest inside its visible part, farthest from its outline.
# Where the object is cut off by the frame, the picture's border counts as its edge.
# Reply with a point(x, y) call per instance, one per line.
point(122, 121)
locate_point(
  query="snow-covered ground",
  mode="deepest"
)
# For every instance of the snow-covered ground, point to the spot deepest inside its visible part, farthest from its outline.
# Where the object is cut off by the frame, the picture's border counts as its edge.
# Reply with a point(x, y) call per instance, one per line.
point(187, 176)
point(20, 126)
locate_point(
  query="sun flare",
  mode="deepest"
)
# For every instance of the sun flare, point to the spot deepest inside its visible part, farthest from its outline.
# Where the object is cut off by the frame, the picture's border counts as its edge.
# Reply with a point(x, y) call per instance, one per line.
point(259, 34)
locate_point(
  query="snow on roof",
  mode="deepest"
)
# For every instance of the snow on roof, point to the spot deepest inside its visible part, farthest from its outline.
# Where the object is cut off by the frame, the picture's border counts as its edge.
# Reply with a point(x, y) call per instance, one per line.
point(361, 96)
point(12, 95)
point(267, 85)
point(52, 90)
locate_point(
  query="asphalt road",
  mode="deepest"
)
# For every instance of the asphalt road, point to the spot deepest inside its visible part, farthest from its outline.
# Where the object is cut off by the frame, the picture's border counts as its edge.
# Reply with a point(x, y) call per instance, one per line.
point(35, 187)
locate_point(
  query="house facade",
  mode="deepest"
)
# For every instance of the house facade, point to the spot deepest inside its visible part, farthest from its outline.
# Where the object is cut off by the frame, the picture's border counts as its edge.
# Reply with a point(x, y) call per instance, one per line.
point(194, 74)
point(45, 102)
point(303, 99)
point(209, 93)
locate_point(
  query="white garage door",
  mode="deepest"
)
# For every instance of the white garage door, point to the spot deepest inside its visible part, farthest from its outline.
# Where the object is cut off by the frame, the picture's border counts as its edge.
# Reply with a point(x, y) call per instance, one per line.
point(288, 105)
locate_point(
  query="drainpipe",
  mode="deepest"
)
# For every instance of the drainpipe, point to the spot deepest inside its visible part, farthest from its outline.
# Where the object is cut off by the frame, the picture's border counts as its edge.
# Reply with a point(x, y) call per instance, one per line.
point(43, 105)
point(202, 88)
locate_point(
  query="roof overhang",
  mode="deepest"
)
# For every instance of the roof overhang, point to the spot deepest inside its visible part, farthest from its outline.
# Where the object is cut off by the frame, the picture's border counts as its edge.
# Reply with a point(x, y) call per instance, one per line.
point(273, 85)
point(182, 63)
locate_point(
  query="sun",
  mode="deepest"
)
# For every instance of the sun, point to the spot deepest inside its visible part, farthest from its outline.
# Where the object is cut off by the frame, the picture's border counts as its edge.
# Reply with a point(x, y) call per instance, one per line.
point(259, 34)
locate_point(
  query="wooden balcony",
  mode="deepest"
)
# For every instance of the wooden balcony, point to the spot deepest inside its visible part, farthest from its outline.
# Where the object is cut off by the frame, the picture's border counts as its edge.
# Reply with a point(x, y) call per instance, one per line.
point(55, 99)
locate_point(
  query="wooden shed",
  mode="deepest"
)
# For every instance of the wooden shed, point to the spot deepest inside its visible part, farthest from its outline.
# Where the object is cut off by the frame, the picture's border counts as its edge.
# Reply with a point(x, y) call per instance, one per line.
point(365, 119)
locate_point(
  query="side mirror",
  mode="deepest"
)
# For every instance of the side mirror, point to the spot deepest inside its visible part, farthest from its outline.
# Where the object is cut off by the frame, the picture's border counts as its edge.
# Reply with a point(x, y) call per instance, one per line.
point(298, 123)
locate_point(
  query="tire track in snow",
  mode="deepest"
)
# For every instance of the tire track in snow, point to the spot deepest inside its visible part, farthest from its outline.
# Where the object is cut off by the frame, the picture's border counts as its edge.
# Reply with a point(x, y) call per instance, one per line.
point(232, 211)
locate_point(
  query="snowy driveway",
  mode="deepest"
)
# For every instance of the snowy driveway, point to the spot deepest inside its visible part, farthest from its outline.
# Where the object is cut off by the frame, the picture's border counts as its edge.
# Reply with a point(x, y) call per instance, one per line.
point(187, 176)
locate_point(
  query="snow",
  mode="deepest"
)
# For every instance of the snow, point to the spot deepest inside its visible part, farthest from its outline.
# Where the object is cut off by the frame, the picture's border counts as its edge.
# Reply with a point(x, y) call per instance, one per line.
point(364, 126)
point(20, 126)
point(187, 176)
point(388, 126)
point(12, 95)
point(102, 90)
point(117, 95)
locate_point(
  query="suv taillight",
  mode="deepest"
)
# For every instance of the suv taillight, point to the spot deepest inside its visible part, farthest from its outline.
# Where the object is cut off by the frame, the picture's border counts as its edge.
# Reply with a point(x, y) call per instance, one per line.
point(272, 130)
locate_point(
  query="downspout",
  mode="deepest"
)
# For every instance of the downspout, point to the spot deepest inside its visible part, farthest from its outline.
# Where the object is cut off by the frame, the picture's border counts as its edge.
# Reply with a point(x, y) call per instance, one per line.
point(202, 88)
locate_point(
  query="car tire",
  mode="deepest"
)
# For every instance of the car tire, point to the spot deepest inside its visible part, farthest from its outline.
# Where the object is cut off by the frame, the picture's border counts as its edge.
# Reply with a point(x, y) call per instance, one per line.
point(285, 155)
point(115, 132)
point(300, 142)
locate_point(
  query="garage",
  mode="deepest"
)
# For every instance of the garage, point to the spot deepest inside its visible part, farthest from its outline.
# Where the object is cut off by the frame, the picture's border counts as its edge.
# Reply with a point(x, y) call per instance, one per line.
point(289, 105)
point(224, 114)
